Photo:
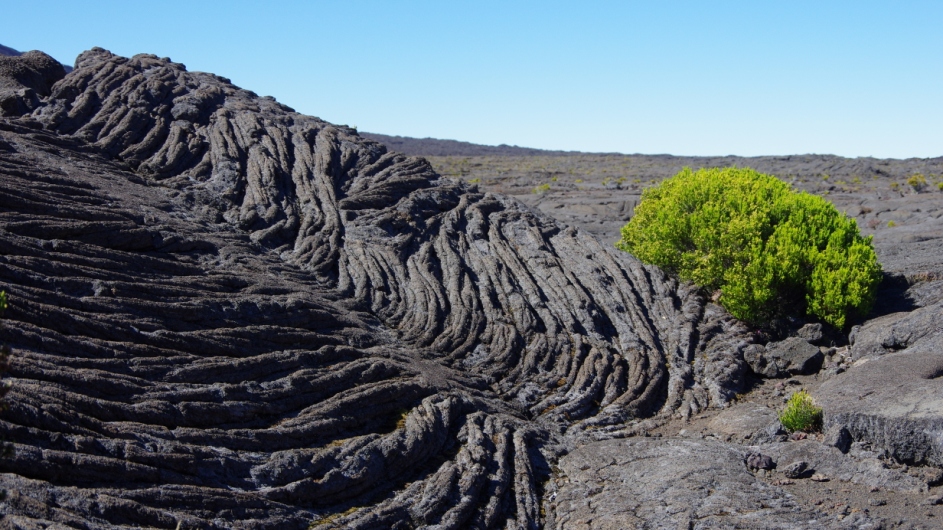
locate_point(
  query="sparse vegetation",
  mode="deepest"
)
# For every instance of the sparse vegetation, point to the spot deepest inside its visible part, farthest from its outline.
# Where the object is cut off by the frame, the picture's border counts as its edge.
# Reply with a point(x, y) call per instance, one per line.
point(891, 224)
point(401, 422)
point(918, 182)
point(331, 520)
point(768, 249)
point(541, 188)
point(801, 413)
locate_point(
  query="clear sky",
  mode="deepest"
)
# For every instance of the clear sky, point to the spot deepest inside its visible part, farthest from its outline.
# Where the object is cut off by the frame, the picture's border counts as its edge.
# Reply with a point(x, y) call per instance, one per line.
point(852, 78)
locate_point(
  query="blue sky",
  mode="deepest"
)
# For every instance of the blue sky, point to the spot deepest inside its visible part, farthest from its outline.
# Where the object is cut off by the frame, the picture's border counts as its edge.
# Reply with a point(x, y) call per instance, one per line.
point(687, 78)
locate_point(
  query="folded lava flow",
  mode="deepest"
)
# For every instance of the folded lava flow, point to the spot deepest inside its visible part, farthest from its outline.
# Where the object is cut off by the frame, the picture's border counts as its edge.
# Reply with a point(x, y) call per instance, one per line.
point(226, 314)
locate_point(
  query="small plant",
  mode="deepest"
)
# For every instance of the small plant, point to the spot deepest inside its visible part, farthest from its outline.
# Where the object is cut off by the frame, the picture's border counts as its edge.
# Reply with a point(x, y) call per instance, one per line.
point(553, 179)
point(331, 519)
point(891, 224)
point(401, 422)
point(475, 180)
point(939, 185)
point(578, 181)
point(918, 182)
point(825, 177)
point(895, 186)
point(801, 414)
point(542, 188)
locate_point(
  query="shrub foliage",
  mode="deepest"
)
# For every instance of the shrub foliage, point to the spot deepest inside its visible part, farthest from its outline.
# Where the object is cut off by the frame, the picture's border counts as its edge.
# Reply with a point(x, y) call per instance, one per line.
point(768, 249)
point(918, 182)
point(801, 414)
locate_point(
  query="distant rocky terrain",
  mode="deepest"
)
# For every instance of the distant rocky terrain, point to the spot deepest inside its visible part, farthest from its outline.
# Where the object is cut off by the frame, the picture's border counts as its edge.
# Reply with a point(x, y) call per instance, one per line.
point(6, 51)
point(434, 147)
point(226, 314)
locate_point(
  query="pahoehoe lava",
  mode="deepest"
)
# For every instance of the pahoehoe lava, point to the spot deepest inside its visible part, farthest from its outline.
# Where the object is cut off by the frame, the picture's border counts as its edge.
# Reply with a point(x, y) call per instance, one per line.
point(226, 314)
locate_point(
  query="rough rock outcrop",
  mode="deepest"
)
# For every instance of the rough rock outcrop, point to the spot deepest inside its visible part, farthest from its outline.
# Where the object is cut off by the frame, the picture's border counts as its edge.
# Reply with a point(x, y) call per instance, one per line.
point(24, 79)
point(794, 355)
point(858, 466)
point(229, 315)
point(892, 397)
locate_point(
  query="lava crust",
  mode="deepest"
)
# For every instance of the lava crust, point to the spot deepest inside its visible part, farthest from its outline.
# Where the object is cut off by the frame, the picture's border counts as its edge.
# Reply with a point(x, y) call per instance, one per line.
point(226, 314)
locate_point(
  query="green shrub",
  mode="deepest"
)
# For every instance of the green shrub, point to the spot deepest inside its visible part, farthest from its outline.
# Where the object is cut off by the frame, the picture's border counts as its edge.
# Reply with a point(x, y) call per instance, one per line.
point(768, 249)
point(801, 414)
point(541, 188)
point(917, 182)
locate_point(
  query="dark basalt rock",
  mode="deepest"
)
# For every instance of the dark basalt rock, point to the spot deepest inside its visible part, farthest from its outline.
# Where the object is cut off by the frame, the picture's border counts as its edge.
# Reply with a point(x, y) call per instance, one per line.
point(791, 356)
point(24, 79)
point(838, 437)
point(812, 333)
point(226, 314)
point(759, 461)
point(797, 469)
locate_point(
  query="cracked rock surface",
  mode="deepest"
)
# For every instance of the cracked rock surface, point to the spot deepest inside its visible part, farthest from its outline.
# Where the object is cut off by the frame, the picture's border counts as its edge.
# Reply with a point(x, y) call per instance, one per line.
point(675, 483)
point(230, 315)
point(894, 400)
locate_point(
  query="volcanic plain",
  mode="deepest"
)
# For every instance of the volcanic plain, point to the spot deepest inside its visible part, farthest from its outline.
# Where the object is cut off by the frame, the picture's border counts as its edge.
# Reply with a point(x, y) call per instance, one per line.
point(227, 314)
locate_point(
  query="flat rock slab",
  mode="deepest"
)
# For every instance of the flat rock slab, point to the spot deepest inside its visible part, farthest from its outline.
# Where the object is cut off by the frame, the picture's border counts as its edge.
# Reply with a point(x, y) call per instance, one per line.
point(673, 483)
point(918, 330)
point(743, 421)
point(895, 402)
